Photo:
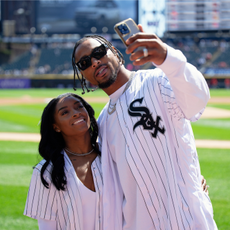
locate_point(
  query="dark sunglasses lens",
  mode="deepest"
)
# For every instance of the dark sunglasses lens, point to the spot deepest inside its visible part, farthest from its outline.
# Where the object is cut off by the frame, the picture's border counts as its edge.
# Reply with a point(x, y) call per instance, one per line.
point(84, 64)
point(99, 52)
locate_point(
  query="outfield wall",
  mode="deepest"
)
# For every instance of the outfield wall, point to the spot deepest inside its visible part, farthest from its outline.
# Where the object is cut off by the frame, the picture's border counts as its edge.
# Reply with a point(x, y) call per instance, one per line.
point(38, 81)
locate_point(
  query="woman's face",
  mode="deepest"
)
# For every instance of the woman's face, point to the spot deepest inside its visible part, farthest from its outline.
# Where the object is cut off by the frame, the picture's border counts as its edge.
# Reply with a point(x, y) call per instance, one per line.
point(71, 117)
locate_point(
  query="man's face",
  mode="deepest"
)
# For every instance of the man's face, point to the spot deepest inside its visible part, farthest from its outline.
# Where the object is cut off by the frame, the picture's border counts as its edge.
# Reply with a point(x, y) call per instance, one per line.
point(102, 72)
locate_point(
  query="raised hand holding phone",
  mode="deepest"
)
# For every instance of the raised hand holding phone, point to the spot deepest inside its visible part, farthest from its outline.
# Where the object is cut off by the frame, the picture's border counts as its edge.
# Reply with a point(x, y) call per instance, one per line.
point(156, 49)
point(126, 29)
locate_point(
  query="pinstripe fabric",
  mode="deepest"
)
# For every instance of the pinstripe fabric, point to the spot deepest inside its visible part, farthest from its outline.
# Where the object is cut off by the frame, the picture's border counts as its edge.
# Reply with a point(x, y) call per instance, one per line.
point(62, 206)
point(165, 168)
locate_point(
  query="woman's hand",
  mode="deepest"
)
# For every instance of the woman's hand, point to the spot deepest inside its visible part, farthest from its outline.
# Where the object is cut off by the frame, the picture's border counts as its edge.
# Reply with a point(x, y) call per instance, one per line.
point(204, 185)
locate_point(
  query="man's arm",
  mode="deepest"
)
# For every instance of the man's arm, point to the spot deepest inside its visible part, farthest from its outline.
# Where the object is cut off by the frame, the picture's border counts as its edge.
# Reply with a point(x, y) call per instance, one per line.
point(189, 86)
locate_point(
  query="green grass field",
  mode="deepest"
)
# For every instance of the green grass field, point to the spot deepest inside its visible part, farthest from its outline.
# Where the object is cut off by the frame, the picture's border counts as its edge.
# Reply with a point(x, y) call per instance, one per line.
point(46, 93)
point(18, 158)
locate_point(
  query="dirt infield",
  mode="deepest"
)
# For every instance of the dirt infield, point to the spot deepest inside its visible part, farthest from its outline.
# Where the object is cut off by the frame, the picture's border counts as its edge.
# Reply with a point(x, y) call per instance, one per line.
point(219, 100)
point(35, 137)
point(33, 100)
point(215, 113)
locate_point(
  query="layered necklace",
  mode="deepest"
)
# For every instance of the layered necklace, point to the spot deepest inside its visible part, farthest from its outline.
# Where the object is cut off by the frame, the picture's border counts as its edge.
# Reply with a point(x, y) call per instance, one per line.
point(112, 107)
point(78, 154)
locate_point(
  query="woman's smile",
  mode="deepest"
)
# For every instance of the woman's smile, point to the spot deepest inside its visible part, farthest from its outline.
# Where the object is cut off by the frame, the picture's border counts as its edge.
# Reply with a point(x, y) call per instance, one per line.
point(78, 121)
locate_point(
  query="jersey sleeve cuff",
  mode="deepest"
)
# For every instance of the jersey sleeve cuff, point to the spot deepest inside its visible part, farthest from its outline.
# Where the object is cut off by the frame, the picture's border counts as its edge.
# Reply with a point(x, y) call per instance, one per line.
point(174, 58)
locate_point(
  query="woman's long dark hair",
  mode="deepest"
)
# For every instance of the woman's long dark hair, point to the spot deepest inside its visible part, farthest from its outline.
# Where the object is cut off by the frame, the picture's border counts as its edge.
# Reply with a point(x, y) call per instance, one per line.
point(100, 39)
point(52, 142)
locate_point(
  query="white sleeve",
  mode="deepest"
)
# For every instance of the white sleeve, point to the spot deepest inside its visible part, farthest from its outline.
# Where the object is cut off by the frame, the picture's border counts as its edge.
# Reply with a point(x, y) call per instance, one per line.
point(41, 202)
point(46, 224)
point(189, 85)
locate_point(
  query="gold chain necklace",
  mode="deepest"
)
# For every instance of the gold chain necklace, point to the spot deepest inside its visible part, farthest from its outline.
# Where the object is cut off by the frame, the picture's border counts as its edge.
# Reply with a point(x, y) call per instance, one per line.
point(113, 107)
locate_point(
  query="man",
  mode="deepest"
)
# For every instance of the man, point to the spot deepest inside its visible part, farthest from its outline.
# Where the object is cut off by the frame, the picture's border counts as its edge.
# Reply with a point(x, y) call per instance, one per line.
point(149, 161)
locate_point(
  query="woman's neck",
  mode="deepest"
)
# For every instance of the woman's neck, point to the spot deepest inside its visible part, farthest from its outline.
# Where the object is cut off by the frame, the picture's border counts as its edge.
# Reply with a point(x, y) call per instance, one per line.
point(78, 144)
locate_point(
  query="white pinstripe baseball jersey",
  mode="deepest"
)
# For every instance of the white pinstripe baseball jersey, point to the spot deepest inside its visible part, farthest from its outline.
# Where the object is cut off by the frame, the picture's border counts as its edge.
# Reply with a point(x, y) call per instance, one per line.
point(149, 145)
point(65, 207)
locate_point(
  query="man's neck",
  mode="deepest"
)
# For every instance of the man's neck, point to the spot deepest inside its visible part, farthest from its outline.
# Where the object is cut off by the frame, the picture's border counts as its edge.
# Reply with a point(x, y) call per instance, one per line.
point(122, 77)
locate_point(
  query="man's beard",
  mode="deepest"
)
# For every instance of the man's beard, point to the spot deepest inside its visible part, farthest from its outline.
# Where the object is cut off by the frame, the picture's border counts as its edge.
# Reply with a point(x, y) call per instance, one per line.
point(108, 83)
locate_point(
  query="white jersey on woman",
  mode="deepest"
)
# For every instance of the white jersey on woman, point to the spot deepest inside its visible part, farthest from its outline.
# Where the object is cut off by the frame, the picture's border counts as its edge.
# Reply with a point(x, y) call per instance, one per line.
point(65, 208)
point(150, 166)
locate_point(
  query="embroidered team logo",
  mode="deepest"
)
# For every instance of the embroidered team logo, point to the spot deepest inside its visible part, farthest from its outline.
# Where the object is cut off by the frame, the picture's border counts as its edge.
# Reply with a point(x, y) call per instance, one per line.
point(146, 119)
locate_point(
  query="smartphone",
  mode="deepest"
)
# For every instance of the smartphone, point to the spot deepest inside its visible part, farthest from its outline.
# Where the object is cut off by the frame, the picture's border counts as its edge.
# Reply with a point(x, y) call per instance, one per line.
point(126, 29)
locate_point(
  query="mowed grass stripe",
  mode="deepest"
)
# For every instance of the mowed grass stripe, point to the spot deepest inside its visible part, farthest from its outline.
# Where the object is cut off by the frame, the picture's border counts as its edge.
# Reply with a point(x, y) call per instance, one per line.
point(18, 175)
point(19, 159)
point(215, 123)
point(13, 200)
point(220, 92)
point(20, 223)
point(219, 106)
point(216, 129)
point(32, 110)
point(7, 126)
point(18, 147)
point(11, 93)
point(26, 118)
point(215, 168)
point(218, 160)
point(22, 123)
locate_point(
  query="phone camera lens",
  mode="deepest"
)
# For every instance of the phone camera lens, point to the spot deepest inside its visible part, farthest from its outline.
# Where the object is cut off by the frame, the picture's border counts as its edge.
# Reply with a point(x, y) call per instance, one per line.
point(123, 28)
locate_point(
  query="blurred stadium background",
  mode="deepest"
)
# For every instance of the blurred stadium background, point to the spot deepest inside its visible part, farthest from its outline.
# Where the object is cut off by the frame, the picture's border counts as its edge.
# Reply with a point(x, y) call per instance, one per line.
point(37, 37)
point(36, 43)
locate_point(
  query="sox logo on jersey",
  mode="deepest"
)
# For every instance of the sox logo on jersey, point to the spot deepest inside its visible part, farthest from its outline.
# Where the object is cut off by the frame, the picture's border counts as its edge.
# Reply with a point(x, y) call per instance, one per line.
point(146, 120)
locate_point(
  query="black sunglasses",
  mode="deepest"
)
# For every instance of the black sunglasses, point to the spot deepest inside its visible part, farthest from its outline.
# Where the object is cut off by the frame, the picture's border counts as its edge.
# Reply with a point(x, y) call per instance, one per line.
point(97, 53)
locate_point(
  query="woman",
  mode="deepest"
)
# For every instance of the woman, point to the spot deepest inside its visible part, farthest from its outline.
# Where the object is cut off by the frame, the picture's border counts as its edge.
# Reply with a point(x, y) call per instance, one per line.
point(65, 189)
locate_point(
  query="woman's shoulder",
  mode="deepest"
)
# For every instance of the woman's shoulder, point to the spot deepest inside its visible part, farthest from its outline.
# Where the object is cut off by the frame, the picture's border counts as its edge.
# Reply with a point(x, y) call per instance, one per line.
point(39, 165)
point(37, 168)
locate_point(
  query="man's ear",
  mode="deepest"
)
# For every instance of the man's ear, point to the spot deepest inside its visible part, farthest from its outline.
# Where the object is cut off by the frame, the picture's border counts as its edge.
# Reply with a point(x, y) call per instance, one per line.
point(56, 128)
